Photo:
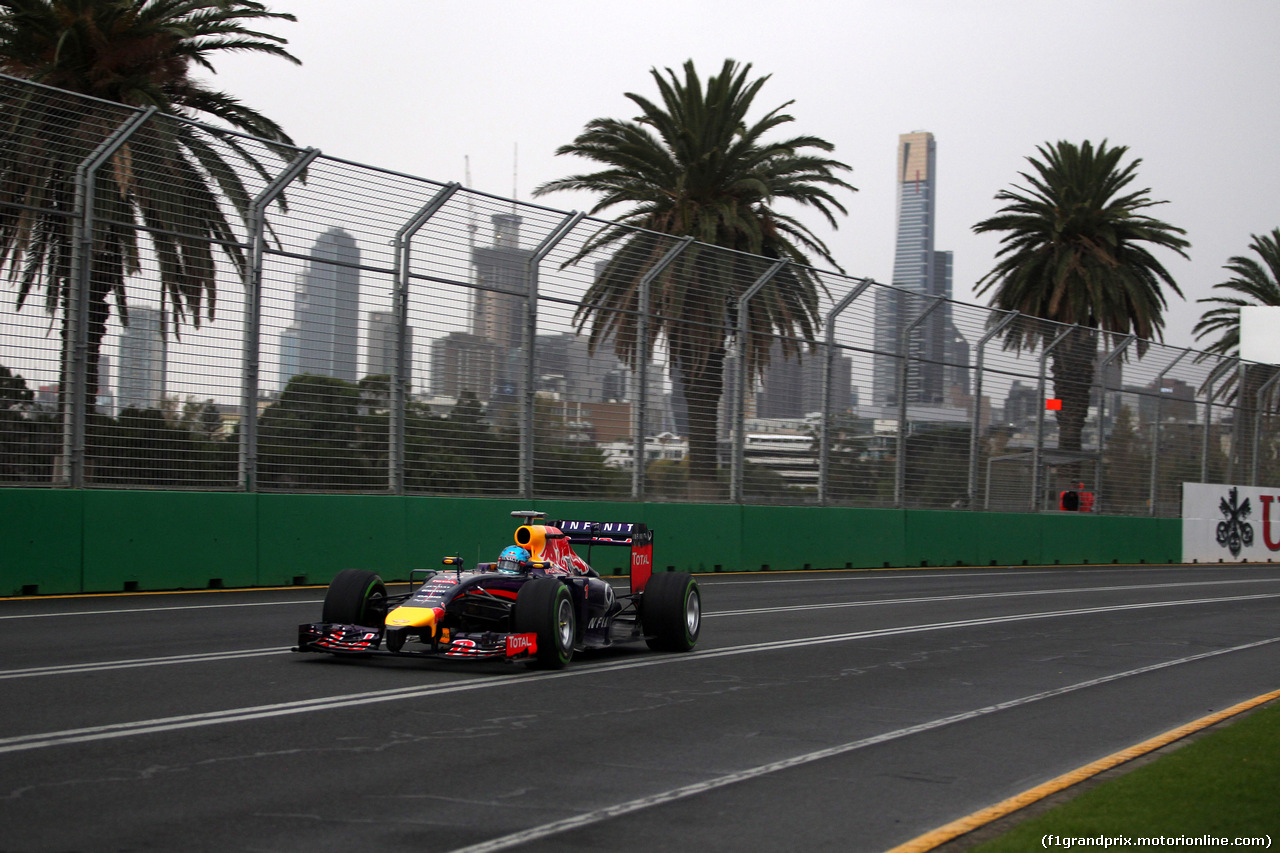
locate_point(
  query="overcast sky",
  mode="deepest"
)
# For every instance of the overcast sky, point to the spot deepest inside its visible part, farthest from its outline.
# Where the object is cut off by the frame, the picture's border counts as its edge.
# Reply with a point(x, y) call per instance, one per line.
point(419, 86)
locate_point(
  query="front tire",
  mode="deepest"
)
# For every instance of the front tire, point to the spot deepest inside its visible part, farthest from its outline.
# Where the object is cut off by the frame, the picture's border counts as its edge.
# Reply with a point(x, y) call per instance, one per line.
point(544, 607)
point(356, 597)
point(672, 612)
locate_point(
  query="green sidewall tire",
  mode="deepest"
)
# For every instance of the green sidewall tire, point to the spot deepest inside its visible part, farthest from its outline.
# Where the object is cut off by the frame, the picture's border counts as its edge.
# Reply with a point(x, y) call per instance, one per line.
point(356, 597)
point(541, 606)
point(669, 623)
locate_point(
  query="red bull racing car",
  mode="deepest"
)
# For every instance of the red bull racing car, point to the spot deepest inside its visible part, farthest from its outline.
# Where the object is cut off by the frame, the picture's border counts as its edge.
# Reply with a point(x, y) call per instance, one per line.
point(539, 603)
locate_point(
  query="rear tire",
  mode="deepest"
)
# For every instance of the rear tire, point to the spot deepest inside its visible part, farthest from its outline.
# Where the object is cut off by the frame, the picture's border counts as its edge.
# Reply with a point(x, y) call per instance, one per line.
point(672, 612)
point(544, 607)
point(356, 597)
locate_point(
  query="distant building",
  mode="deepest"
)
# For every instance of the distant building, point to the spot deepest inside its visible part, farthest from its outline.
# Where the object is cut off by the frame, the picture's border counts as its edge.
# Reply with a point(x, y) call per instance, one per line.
point(462, 363)
point(1177, 401)
point(920, 275)
point(664, 446)
point(380, 345)
point(143, 360)
point(502, 279)
point(46, 397)
point(793, 387)
point(1022, 404)
point(103, 397)
point(564, 366)
point(489, 360)
point(323, 337)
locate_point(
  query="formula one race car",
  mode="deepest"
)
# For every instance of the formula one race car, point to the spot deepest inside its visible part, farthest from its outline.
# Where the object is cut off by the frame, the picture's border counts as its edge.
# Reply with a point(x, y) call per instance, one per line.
point(539, 603)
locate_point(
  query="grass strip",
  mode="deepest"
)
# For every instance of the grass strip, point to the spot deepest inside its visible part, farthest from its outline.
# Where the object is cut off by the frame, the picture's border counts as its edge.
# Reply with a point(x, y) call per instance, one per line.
point(1224, 785)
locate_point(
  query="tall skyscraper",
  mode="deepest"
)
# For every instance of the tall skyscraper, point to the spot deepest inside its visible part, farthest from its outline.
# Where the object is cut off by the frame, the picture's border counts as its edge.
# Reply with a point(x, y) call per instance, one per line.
point(143, 360)
point(921, 273)
point(486, 361)
point(326, 301)
point(502, 276)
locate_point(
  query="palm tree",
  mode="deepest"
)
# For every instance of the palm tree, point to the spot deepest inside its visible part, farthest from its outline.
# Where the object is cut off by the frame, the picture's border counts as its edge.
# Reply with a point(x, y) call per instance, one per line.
point(1252, 284)
point(166, 179)
point(692, 166)
point(1076, 251)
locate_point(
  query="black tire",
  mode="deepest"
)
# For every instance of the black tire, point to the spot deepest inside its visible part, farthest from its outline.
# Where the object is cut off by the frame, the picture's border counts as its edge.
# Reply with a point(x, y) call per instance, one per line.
point(545, 607)
point(356, 597)
point(672, 612)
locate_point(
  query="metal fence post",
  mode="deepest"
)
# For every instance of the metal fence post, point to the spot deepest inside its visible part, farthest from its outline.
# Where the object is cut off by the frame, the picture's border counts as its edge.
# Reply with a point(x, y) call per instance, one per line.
point(824, 435)
point(1257, 424)
point(400, 310)
point(1099, 497)
point(1208, 421)
point(977, 404)
point(1154, 485)
point(1038, 449)
point(739, 425)
point(527, 419)
point(1242, 382)
point(76, 395)
point(256, 223)
point(641, 401)
point(904, 369)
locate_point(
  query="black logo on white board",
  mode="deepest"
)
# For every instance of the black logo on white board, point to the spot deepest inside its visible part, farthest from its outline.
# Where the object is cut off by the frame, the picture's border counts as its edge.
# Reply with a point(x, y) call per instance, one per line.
point(1233, 531)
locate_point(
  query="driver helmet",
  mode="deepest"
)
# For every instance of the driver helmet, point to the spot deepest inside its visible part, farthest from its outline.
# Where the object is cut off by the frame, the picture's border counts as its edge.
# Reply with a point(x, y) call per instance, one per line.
point(511, 559)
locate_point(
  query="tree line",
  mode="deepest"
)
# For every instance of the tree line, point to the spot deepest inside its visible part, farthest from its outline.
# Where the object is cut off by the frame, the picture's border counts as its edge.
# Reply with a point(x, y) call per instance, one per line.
point(321, 434)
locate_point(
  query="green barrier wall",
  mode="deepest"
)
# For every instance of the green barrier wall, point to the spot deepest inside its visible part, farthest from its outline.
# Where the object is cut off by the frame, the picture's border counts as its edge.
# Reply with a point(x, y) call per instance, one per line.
point(111, 541)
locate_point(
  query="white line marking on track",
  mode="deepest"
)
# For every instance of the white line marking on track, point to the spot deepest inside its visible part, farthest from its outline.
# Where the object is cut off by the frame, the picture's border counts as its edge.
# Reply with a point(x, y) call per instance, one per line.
point(308, 602)
point(261, 712)
point(702, 580)
point(559, 827)
point(864, 575)
point(978, 595)
point(70, 668)
point(940, 573)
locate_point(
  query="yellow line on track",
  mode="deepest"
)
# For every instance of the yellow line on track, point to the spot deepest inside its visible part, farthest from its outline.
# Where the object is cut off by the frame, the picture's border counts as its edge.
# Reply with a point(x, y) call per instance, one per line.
point(979, 819)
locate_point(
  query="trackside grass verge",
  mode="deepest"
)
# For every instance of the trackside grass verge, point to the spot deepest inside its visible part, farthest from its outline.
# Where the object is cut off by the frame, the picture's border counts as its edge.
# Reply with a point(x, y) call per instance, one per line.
point(1225, 784)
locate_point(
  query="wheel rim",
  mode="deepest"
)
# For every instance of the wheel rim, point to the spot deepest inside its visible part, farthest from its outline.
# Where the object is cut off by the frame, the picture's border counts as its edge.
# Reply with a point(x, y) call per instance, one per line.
point(564, 623)
point(692, 613)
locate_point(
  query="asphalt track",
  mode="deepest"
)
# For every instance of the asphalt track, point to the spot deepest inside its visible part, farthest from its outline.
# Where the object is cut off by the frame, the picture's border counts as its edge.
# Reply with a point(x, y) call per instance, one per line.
point(849, 711)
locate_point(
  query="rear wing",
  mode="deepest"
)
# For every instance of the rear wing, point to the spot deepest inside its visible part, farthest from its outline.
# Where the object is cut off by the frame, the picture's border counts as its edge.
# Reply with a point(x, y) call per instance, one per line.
point(637, 536)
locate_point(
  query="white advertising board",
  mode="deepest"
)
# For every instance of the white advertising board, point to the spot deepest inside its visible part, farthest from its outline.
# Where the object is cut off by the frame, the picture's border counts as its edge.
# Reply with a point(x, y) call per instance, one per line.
point(1260, 333)
point(1230, 524)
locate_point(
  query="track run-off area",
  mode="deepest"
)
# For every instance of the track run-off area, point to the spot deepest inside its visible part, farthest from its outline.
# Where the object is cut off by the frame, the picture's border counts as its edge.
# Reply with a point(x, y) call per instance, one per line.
point(850, 711)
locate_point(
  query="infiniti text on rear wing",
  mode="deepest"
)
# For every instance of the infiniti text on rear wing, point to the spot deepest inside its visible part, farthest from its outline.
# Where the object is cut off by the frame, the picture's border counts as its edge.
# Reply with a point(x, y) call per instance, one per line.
point(636, 535)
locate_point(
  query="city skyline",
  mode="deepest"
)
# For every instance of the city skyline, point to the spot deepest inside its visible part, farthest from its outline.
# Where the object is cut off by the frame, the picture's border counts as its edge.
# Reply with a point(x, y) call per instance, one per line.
point(958, 69)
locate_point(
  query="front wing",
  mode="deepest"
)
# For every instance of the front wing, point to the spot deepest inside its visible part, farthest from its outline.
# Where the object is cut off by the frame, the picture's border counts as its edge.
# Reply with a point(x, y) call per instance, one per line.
point(339, 639)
